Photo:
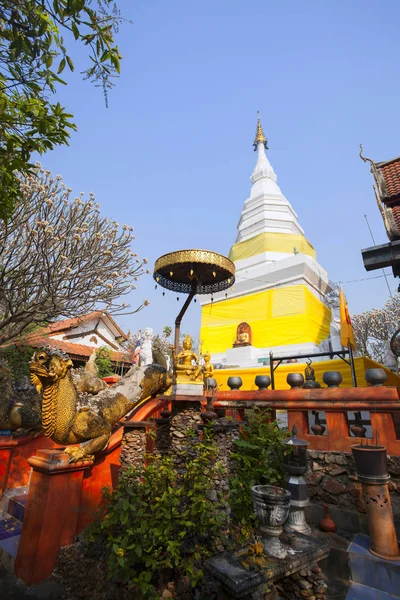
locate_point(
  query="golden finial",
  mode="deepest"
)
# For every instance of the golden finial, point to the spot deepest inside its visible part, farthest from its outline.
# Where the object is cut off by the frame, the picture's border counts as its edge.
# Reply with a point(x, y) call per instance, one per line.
point(260, 137)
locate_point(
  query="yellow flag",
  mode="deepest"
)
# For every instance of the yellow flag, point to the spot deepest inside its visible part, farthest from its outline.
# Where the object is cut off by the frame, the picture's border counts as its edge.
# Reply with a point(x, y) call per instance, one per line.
point(346, 328)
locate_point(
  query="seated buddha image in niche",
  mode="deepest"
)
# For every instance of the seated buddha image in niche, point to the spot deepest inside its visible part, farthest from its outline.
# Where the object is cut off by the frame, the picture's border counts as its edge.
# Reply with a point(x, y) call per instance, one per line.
point(243, 335)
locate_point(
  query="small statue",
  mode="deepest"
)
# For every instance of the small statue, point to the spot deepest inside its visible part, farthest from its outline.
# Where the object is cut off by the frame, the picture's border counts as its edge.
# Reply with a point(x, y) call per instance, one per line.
point(186, 363)
point(243, 335)
point(310, 381)
point(146, 347)
point(208, 369)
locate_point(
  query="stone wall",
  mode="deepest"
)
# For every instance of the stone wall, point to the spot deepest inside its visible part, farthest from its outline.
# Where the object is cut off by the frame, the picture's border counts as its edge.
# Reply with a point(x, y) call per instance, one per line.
point(133, 445)
point(223, 436)
point(184, 432)
point(306, 583)
point(332, 479)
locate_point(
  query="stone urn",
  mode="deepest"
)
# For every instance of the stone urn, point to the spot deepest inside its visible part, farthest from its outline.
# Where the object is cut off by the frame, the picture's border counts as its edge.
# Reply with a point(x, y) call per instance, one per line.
point(262, 381)
point(235, 383)
point(210, 383)
point(375, 376)
point(295, 380)
point(332, 379)
point(271, 507)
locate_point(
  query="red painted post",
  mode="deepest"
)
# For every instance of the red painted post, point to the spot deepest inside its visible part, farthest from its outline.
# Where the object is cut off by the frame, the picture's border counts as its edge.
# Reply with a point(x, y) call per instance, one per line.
point(103, 473)
point(14, 453)
point(51, 513)
point(383, 431)
point(300, 419)
point(338, 430)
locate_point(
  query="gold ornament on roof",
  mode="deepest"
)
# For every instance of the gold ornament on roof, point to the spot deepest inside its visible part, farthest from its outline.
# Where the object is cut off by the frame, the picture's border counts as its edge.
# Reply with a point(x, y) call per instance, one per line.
point(260, 137)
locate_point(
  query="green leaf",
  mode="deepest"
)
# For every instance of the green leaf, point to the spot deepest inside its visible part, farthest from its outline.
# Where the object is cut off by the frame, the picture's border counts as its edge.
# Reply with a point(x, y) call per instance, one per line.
point(61, 66)
point(75, 30)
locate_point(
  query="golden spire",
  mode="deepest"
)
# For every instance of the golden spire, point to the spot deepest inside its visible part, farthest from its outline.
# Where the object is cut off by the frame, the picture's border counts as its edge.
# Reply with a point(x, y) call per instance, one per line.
point(260, 137)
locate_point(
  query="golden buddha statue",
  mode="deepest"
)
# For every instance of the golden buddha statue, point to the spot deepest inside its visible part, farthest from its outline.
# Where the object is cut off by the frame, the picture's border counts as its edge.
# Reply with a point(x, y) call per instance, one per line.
point(186, 363)
point(243, 335)
point(208, 369)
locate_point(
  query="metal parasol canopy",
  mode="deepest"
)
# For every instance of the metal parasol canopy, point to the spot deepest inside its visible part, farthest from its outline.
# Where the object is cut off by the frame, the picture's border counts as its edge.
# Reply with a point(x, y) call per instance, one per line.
point(193, 272)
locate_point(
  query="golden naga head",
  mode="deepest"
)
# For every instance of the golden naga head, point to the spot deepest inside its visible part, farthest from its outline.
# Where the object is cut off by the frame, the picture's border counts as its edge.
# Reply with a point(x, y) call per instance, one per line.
point(187, 342)
point(49, 365)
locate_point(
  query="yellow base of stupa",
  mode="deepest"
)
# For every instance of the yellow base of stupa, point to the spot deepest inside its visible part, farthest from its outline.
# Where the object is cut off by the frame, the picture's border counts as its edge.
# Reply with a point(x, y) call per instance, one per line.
point(361, 365)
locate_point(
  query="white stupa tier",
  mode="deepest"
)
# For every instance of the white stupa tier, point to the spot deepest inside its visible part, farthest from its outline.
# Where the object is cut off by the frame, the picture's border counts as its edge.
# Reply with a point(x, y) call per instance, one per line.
point(280, 290)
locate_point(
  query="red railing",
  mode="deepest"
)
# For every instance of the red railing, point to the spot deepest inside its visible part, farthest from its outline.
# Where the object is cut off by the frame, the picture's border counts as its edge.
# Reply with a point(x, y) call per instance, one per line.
point(382, 403)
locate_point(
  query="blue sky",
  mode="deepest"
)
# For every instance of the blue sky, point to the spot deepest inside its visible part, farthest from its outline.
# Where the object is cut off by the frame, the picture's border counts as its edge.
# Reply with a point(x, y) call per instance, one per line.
point(172, 154)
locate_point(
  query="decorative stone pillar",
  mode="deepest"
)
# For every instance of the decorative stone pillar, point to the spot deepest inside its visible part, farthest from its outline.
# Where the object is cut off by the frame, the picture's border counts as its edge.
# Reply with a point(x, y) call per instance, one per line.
point(51, 514)
point(371, 466)
point(134, 444)
point(185, 423)
point(103, 474)
point(224, 434)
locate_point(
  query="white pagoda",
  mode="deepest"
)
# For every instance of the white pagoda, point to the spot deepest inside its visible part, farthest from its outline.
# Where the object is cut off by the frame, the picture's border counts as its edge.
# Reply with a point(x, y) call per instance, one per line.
point(279, 302)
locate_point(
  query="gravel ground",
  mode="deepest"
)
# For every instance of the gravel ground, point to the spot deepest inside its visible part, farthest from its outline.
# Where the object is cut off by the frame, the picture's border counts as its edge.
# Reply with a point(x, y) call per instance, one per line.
point(13, 589)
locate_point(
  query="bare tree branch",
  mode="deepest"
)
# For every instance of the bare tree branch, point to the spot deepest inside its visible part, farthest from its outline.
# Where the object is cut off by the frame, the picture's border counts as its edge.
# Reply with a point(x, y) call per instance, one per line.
point(60, 258)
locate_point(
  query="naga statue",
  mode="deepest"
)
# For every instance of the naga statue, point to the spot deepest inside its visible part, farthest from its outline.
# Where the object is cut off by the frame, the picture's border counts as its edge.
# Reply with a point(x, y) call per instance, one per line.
point(67, 423)
point(64, 416)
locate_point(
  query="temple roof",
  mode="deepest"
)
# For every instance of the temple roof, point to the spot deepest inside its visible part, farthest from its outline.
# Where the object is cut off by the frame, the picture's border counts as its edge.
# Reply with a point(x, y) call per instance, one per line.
point(387, 176)
point(77, 351)
point(387, 192)
point(59, 326)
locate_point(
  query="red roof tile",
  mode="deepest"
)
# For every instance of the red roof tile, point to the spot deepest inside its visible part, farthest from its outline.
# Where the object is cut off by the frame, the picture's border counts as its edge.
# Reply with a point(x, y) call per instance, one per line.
point(388, 179)
point(70, 323)
point(74, 350)
point(77, 321)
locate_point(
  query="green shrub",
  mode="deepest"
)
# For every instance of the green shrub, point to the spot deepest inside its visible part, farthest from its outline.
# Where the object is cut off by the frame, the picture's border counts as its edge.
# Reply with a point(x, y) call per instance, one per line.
point(157, 520)
point(103, 362)
point(258, 460)
point(17, 358)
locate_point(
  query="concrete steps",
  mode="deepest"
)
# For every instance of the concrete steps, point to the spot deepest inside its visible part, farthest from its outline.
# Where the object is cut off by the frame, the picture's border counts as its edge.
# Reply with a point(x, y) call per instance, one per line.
point(12, 510)
point(357, 591)
point(373, 578)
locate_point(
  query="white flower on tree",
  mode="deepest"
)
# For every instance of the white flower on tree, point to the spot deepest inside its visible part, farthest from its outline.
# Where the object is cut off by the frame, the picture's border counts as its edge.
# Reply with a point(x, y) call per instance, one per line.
point(374, 329)
point(45, 277)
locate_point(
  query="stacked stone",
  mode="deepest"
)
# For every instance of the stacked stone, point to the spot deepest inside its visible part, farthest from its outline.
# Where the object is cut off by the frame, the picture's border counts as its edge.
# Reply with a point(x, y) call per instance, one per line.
point(224, 435)
point(134, 444)
point(332, 479)
point(306, 583)
point(185, 423)
point(162, 442)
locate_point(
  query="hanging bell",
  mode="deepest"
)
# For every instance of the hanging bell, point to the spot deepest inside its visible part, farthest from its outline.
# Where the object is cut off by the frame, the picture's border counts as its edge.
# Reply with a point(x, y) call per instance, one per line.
point(195, 300)
point(177, 298)
point(163, 293)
